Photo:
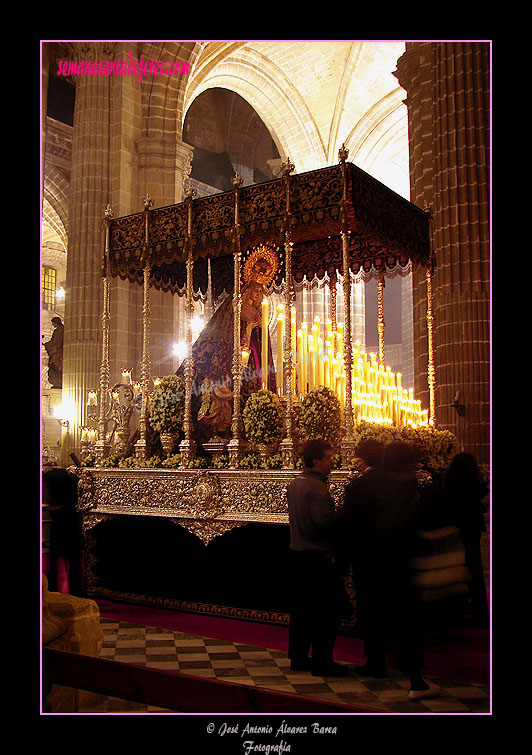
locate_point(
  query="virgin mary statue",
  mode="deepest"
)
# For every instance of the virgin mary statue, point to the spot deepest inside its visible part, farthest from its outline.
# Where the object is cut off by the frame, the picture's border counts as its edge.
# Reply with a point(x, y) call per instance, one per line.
point(212, 352)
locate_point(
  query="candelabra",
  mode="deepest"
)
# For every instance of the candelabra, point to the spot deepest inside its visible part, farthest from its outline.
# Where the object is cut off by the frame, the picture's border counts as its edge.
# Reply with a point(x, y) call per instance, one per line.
point(120, 403)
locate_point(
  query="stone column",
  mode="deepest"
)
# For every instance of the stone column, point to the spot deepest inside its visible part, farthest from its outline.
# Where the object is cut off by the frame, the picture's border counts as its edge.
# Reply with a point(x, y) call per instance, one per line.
point(89, 189)
point(448, 112)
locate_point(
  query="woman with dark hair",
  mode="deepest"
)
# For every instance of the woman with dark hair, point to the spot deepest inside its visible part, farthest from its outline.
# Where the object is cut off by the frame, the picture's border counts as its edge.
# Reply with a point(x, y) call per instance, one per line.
point(464, 492)
point(369, 454)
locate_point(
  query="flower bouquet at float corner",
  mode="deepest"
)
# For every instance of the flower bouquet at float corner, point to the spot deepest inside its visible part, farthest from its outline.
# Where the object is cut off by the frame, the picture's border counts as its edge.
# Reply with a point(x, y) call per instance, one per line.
point(321, 415)
point(436, 447)
point(263, 421)
point(167, 410)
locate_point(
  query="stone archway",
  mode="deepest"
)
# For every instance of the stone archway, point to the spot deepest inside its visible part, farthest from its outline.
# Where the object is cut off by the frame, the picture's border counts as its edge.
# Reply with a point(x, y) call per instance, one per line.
point(237, 141)
point(268, 90)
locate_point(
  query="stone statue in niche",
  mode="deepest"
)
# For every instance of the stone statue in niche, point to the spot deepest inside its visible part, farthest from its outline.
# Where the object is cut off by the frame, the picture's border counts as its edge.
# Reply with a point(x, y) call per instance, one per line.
point(54, 349)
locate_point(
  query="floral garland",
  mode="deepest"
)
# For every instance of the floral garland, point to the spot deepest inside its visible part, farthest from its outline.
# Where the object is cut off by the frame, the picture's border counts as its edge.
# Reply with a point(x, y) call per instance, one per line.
point(263, 417)
point(321, 415)
point(167, 405)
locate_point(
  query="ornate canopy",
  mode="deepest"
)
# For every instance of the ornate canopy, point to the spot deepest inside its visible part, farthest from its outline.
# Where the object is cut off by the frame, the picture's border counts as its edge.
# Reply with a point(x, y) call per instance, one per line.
point(385, 230)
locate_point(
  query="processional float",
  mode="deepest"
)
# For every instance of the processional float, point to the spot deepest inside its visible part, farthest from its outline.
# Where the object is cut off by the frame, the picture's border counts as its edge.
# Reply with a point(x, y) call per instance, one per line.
point(337, 221)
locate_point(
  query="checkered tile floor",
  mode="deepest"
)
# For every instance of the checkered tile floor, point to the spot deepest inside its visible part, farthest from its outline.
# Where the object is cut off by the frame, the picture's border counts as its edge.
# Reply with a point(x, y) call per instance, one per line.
point(243, 664)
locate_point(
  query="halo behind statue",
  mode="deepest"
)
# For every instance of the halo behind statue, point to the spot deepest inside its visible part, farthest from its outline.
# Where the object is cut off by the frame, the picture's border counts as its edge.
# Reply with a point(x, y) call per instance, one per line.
point(261, 265)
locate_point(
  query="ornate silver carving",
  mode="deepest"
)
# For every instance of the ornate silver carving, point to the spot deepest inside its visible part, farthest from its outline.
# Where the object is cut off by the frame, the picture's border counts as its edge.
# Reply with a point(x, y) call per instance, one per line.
point(222, 495)
point(207, 530)
point(91, 520)
point(86, 491)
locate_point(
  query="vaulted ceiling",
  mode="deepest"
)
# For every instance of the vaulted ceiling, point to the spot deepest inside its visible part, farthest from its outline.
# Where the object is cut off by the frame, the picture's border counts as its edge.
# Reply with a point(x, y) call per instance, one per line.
point(315, 96)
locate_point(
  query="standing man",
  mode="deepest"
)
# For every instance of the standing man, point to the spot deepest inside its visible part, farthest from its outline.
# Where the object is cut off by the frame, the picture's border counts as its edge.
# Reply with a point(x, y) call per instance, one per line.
point(382, 514)
point(317, 586)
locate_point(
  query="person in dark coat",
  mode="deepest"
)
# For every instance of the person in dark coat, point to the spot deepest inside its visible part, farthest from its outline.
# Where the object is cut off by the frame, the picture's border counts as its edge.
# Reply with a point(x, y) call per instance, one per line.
point(60, 497)
point(380, 520)
point(464, 491)
point(316, 582)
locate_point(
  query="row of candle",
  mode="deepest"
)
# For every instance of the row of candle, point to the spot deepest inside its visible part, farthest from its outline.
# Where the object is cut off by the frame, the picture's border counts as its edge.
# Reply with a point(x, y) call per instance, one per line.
point(92, 399)
point(377, 393)
point(88, 434)
point(126, 380)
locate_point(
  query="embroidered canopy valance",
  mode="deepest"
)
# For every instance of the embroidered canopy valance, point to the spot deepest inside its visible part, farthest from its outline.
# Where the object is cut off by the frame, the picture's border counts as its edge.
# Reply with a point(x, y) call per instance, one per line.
point(384, 230)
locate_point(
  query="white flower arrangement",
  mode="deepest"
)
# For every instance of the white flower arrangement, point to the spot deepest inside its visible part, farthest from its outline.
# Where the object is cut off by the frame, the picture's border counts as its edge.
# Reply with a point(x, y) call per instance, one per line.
point(167, 405)
point(437, 447)
point(321, 415)
point(263, 417)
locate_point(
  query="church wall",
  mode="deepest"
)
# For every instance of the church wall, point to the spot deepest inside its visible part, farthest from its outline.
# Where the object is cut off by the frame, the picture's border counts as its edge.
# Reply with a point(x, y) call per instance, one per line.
point(448, 100)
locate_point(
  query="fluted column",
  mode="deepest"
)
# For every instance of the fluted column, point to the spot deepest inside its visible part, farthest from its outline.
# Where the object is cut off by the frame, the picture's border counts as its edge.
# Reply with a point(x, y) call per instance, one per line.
point(89, 195)
point(448, 111)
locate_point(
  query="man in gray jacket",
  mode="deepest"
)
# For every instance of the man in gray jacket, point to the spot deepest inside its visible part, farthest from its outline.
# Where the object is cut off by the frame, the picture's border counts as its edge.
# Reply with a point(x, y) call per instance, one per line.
point(316, 586)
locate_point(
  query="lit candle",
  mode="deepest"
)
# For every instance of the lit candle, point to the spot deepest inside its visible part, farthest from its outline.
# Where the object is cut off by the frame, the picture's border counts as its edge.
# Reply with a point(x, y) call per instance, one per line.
point(326, 371)
point(92, 399)
point(305, 364)
point(136, 389)
point(342, 392)
point(293, 348)
point(320, 379)
point(311, 366)
point(340, 338)
point(364, 367)
point(126, 377)
point(156, 381)
point(328, 330)
point(264, 345)
point(333, 372)
point(330, 355)
point(398, 378)
point(280, 342)
point(84, 434)
point(300, 362)
point(315, 330)
point(336, 383)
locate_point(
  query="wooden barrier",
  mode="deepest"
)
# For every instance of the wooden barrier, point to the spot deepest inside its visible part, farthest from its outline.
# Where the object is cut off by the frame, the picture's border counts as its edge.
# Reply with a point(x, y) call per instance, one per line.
point(176, 691)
